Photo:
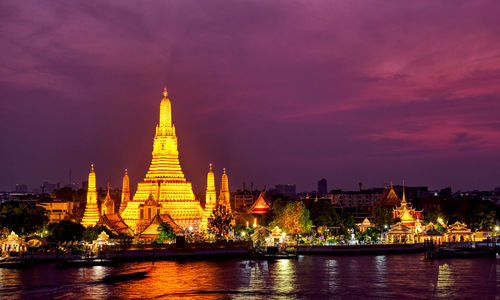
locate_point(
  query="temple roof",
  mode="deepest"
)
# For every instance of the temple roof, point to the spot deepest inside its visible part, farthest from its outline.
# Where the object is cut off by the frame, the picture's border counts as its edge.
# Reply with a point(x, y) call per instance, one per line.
point(115, 223)
point(152, 229)
point(260, 206)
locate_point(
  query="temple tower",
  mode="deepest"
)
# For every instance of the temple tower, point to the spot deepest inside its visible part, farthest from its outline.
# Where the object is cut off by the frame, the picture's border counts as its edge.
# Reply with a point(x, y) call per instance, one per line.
point(108, 205)
point(91, 214)
point(224, 196)
point(165, 178)
point(125, 192)
point(210, 200)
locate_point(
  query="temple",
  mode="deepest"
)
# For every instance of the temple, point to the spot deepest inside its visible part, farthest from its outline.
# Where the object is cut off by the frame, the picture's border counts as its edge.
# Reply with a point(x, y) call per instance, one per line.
point(224, 196)
point(410, 226)
point(165, 179)
point(108, 205)
point(260, 206)
point(210, 200)
point(125, 192)
point(91, 214)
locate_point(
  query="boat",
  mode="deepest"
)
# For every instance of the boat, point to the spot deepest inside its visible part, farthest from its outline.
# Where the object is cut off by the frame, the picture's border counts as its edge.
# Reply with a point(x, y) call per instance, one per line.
point(110, 279)
point(86, 262)
point(15, 263)
point(272, 253)
point(460, 252)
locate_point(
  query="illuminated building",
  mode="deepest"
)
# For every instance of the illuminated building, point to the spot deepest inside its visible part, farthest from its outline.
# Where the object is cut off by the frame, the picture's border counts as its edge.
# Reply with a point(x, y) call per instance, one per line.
point(125, 192)
point(406, 213)
point(107, 205)
point(91, 214)
point(260, 206)
point(153, 229)
point(409, 227)
point(166, 179)
point(58, 210)
point(458, 232)
point(147, 212)
point(210, 200)
point(224, 196)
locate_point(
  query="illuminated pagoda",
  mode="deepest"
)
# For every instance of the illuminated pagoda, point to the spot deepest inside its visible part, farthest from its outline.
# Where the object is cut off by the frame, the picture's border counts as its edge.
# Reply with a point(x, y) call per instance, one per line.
point(224, 196)
point(210, 200)
point(91, 214)
point(107, 205)
point(125, 192)
point(410, 224)
point(166, 179)
point(260, 206)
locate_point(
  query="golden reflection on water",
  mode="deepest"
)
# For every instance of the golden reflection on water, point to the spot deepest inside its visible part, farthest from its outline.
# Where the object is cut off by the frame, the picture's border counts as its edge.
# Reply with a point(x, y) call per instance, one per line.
point(395, 276)
point(445, 281)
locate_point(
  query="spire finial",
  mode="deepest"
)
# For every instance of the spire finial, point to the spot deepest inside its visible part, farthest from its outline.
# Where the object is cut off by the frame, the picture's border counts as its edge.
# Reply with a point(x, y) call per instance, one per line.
point(224, 171)
point(126, 172)
point(108, 187)
point(404, 197)
point(165, 93)
point(210, 164)
point(91, 167)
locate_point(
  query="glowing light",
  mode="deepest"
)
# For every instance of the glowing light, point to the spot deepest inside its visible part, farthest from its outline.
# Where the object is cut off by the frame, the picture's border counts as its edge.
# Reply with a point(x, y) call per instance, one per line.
point(91, 214)
point(165, 179)
point(243, 233)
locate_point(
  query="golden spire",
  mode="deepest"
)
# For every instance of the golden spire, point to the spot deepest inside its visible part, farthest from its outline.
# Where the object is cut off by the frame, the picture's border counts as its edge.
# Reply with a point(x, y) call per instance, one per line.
point(404, 197)
point(91, 213)
point(165, 93)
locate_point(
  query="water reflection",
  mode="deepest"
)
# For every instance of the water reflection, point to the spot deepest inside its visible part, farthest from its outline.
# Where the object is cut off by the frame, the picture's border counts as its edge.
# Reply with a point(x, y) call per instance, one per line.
point(392, 276)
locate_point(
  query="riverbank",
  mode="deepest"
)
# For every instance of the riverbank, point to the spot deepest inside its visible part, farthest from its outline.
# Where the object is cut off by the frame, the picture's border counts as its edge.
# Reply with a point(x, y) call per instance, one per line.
point(361, 249)
point(223, 251)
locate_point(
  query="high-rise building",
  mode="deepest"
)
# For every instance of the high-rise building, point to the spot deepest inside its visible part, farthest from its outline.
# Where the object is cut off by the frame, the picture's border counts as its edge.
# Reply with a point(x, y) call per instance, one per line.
point(322, 187)
point(91, 214)
point(166, 179)
point(21, 188)
point(288, 190)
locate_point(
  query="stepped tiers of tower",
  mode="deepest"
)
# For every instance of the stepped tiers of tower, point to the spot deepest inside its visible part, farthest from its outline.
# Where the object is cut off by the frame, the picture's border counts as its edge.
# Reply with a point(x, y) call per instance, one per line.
point(91, 214)
point(210, 200)
point(165, 179)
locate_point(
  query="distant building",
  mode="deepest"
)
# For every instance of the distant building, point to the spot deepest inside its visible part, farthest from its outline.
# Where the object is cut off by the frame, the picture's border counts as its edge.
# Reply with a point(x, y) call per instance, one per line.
point(322, 187)
point(356, 199)
point(21, 188)
point(58, 211)
point(288, 190)
point(48, 187)
point(242, 199)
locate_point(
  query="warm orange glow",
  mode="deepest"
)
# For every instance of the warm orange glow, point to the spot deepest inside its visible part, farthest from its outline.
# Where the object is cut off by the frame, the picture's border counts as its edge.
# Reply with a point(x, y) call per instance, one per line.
point(210, 200)
point(125, 192)
point(91, 214)
point(165, 179)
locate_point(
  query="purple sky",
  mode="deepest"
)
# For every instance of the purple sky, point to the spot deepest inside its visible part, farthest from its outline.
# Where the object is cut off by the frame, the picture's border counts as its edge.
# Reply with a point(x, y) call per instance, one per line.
point(276, 92)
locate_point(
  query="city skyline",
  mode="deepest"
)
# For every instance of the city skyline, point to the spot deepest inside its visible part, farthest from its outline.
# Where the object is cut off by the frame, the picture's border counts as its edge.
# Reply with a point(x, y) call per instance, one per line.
point(347, 92)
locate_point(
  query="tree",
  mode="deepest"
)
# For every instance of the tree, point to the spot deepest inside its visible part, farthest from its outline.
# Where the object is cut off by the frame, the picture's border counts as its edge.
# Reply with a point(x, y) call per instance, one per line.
point(383, 216)
point(220, 221)
point(66, 231)
point(295, 217)
point(22, 218)
point(165, 233)
point(323, 213)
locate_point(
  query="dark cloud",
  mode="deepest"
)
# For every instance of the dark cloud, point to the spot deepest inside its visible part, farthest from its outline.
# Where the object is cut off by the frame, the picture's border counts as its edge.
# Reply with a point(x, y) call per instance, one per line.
point(274, 91)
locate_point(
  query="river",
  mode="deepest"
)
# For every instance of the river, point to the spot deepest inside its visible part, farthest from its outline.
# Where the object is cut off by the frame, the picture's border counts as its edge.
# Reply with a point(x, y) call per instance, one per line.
point(395, 276)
